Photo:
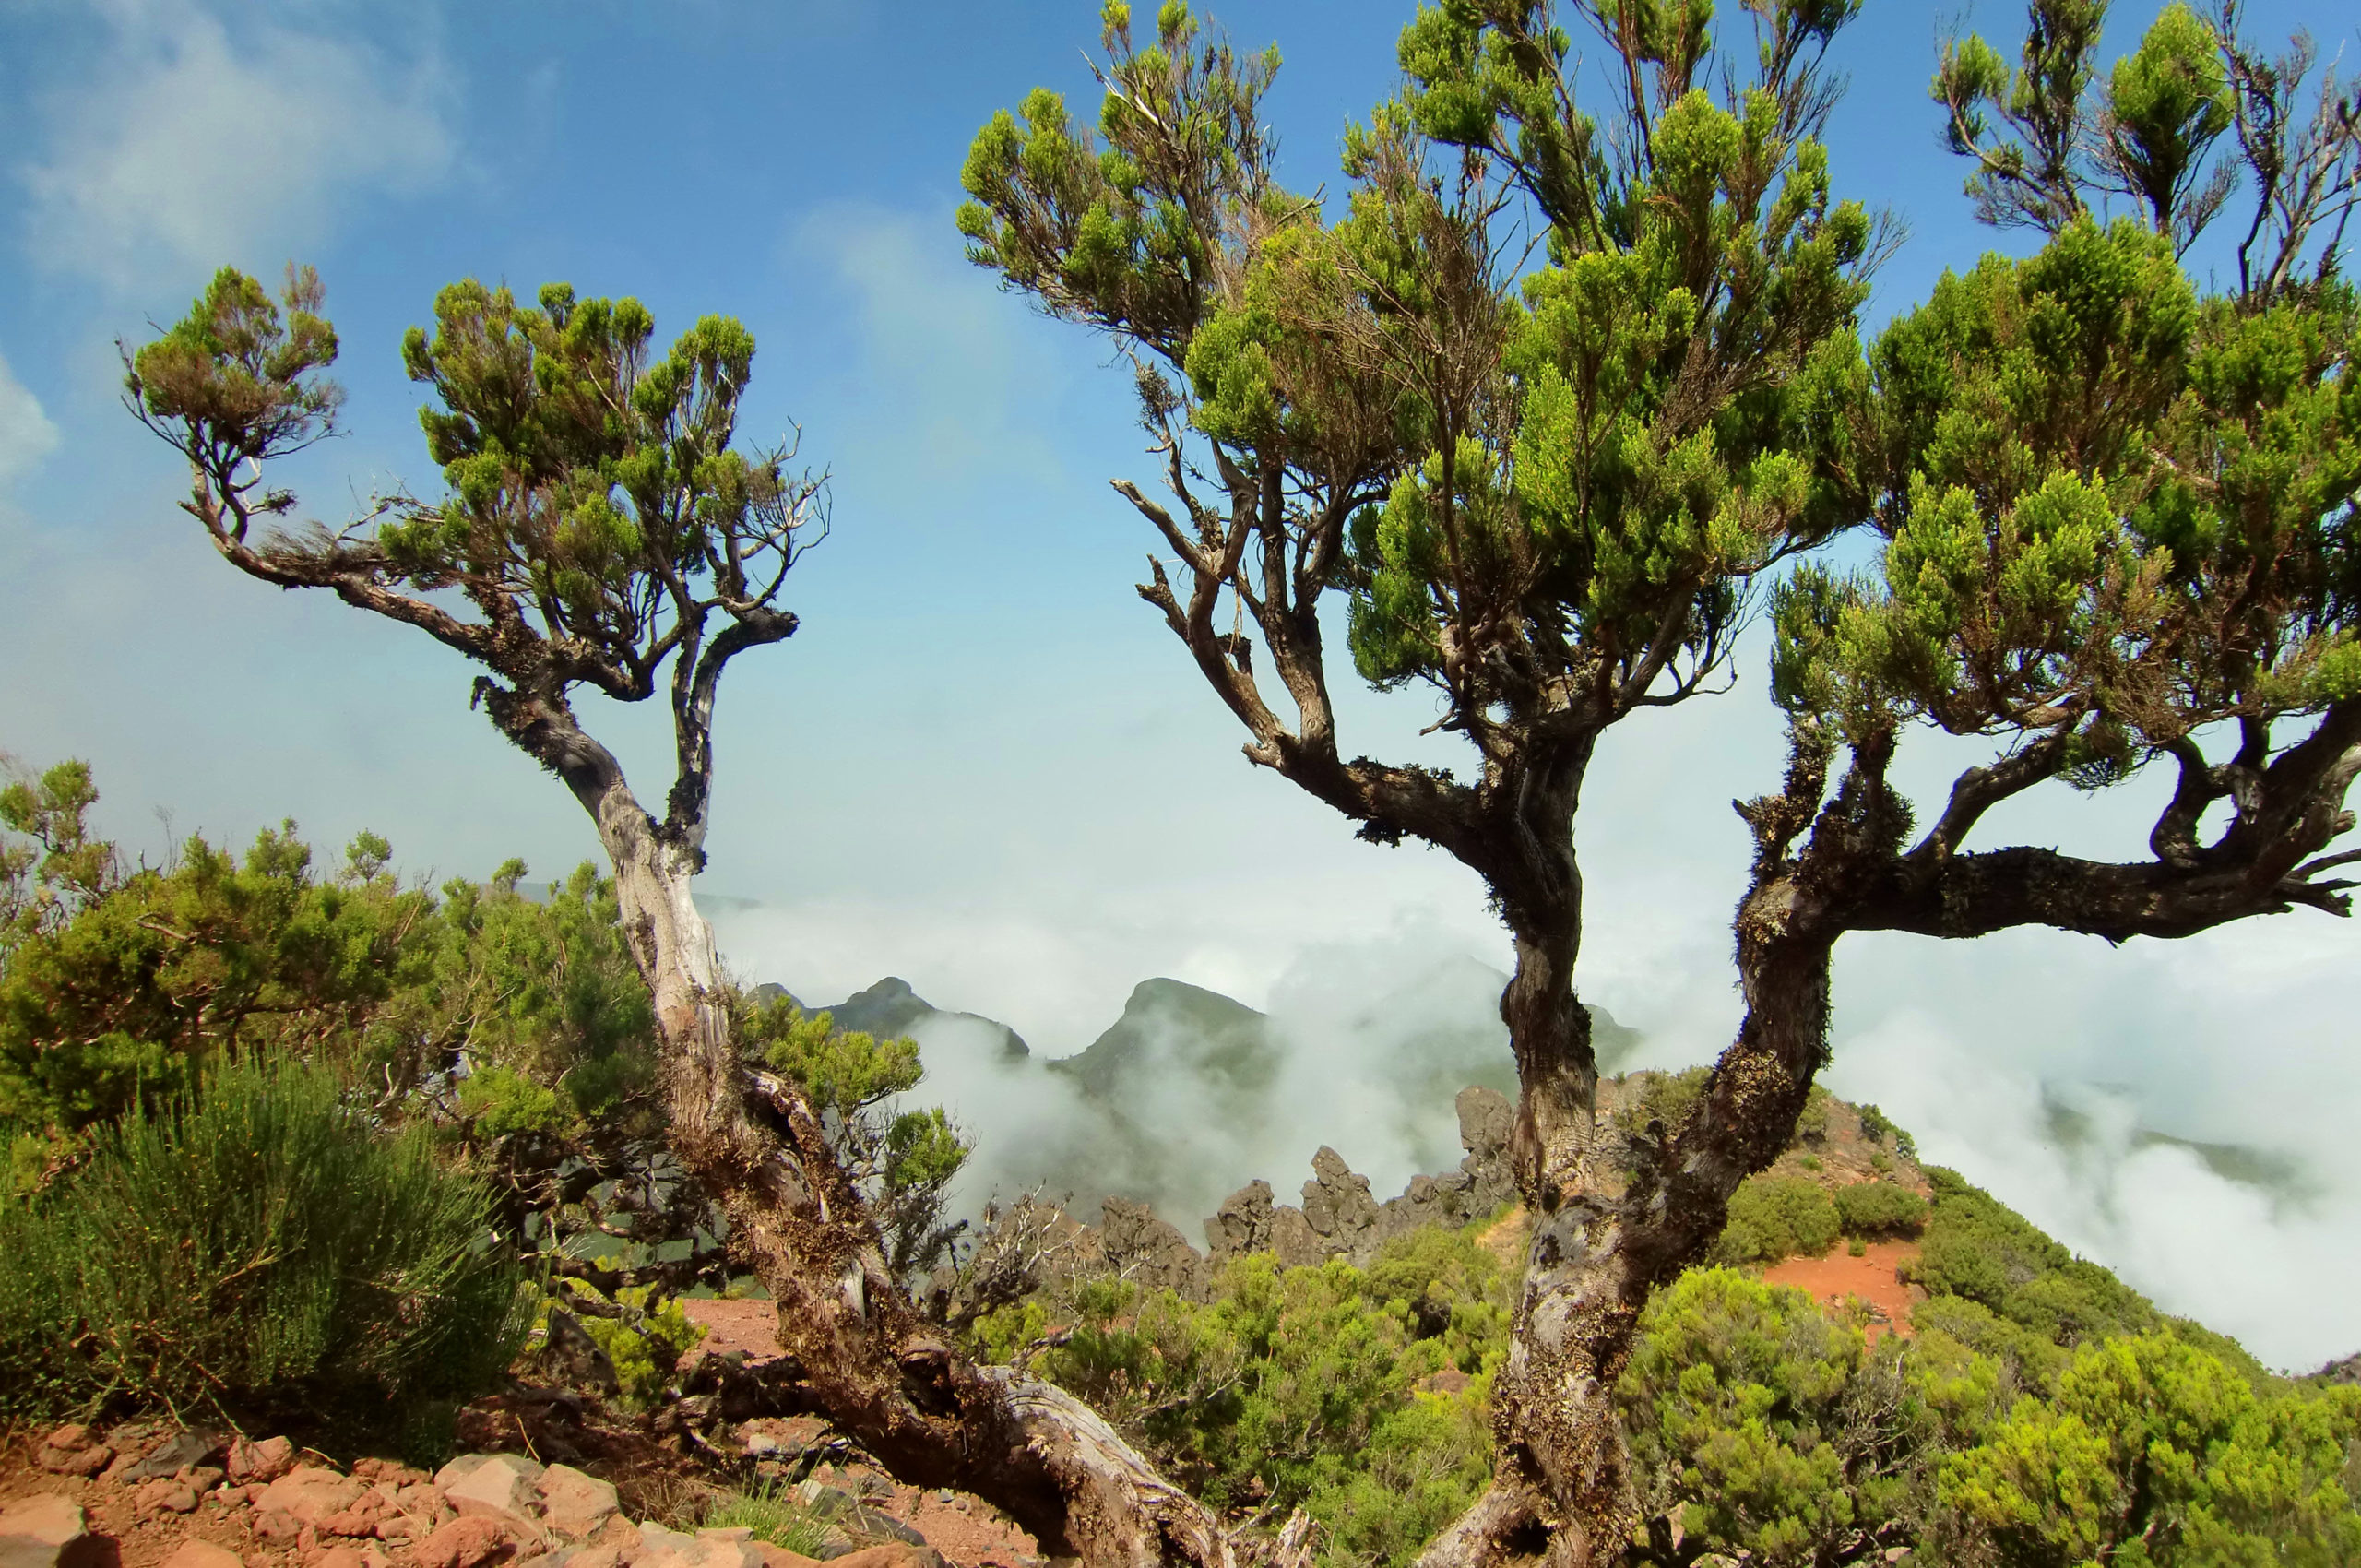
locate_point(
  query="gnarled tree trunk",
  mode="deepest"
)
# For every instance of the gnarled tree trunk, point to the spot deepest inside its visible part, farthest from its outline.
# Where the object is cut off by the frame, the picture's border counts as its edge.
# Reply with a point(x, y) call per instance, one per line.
point(870, 1362)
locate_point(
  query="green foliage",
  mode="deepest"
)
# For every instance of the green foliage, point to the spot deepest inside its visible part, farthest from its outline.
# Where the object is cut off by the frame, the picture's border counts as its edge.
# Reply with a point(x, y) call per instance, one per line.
point(643, 1332)
point(773, 1516)
point(1978, 1249)
point(119, 985)
point(254, 1243)
point(1296, 1385)
point(1777, 1216)
point(1880, 1129)
point(1664, 1097)
point(2150, 1450)
point(905, 1158)
point(1879, 1208)
point(116, 985)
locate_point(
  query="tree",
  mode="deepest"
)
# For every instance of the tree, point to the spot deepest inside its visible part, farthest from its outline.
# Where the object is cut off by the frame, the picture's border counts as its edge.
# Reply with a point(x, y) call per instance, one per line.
point(2117, 530)
point(1544, 494)
point(600, 530)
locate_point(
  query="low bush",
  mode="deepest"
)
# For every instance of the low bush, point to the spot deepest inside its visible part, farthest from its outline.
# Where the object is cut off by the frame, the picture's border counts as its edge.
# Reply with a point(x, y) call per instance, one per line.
point(1874, 1210)
point(1777, 1216)
point(774, 1514)
point(254, 1244)
point(1979, 1249)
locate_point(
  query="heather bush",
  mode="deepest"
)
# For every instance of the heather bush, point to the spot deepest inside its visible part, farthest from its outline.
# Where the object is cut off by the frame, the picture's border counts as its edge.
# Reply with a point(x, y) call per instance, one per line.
point(253, 1244)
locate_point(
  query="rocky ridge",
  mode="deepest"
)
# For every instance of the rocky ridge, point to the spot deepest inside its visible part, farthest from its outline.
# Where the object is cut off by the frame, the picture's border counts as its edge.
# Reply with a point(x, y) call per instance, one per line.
point(205, 1499)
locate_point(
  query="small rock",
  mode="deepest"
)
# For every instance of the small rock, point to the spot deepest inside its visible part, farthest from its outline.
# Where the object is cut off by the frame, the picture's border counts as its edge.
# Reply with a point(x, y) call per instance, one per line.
point(71, 1438)
point(193, 1553)
point(893, 1554)
point(573, 1504)
point(264, 1461)
point(350, 1557)
point(462, 1543)
point(47, 1531)
point(605, 1553)
point(165, 1495)
point(561, 1558)
point(356, 1521)
point(779, 1557)
point(86, 1460)
point(273, 1526)
point(311, 1493)
point(501, 1487)
point(183, 1449)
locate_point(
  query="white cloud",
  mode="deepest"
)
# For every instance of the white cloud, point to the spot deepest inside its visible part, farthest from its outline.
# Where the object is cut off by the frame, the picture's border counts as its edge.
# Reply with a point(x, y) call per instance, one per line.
point(26, 434)
point(189, 145)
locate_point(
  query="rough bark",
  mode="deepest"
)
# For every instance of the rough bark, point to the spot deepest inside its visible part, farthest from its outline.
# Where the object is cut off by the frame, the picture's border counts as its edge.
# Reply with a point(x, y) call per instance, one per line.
point(868, 1359)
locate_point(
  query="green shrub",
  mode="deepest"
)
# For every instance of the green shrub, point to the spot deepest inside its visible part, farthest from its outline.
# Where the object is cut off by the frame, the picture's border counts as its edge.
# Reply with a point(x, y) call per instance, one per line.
point(2154, 1451)
point(1870, 1209)
point(1777, 1216)
point(1979, 1249)
point(256, 1244)
point(643, 1332)
point(1878, 1128)
point(773, 1514)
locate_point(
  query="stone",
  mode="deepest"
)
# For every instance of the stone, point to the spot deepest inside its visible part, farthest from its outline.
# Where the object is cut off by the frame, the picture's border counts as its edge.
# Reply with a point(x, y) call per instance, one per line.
point(274, 1525)
point(575, 1358)
point(462, 1543)
point(47, 1531)
point(779, 1557)
point(348, 1556)
point(311, 1493)
point(869, 1522)
point(71, 1437)
point(573, 1504)
point(501, 1487)
point(196, 1554)
point(561, 1558)
point(1337, 1203)
point(165, 1495)
point(387, 1470)
point(603, 1554)
point(893, 1554)
point(1148, 1251)
point(176, 1452)
point(264, 1461)
point(86, 1460)
point(358, 1520)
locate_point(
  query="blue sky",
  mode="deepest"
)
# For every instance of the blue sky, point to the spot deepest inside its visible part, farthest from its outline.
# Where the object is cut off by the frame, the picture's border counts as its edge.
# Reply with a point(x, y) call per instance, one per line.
point(981, 764)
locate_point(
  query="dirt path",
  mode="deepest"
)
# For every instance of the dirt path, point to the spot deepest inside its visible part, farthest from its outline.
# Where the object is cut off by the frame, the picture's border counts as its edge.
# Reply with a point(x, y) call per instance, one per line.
point(1872, 1277)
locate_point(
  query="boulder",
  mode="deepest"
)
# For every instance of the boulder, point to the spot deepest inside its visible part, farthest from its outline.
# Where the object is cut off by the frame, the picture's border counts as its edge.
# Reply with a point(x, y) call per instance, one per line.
point(309, 1493)
point(572, 1504)
point(47, 1531)
point(176, 1452)
point(502, 1487)
point(196, 1554)
point(661, 1547)
point(349, 1556)
point(893, 1554)
point(1148, 1251)
point(462, 1543)
point(1242, 1224)
point(86, 1460)
point(264, 1461)
point(1337, 1203)
point(164, 1495)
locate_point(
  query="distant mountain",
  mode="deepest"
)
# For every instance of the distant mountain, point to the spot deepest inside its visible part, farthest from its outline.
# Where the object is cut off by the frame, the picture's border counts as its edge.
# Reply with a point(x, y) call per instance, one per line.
point(1181, 1026)
point(2083, 1130)
point(891, 1009)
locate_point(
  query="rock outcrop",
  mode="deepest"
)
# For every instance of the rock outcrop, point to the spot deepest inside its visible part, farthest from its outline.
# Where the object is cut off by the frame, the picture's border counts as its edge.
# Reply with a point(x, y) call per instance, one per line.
point(1035, 1243)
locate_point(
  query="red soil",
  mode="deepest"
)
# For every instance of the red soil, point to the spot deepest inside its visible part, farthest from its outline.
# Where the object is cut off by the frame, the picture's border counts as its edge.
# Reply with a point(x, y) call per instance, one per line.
point(748, 1327)
point(1873, 1279)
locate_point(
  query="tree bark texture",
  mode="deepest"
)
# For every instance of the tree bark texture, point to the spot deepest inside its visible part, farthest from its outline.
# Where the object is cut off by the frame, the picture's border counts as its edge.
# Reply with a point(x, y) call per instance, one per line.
point(869, 1361)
